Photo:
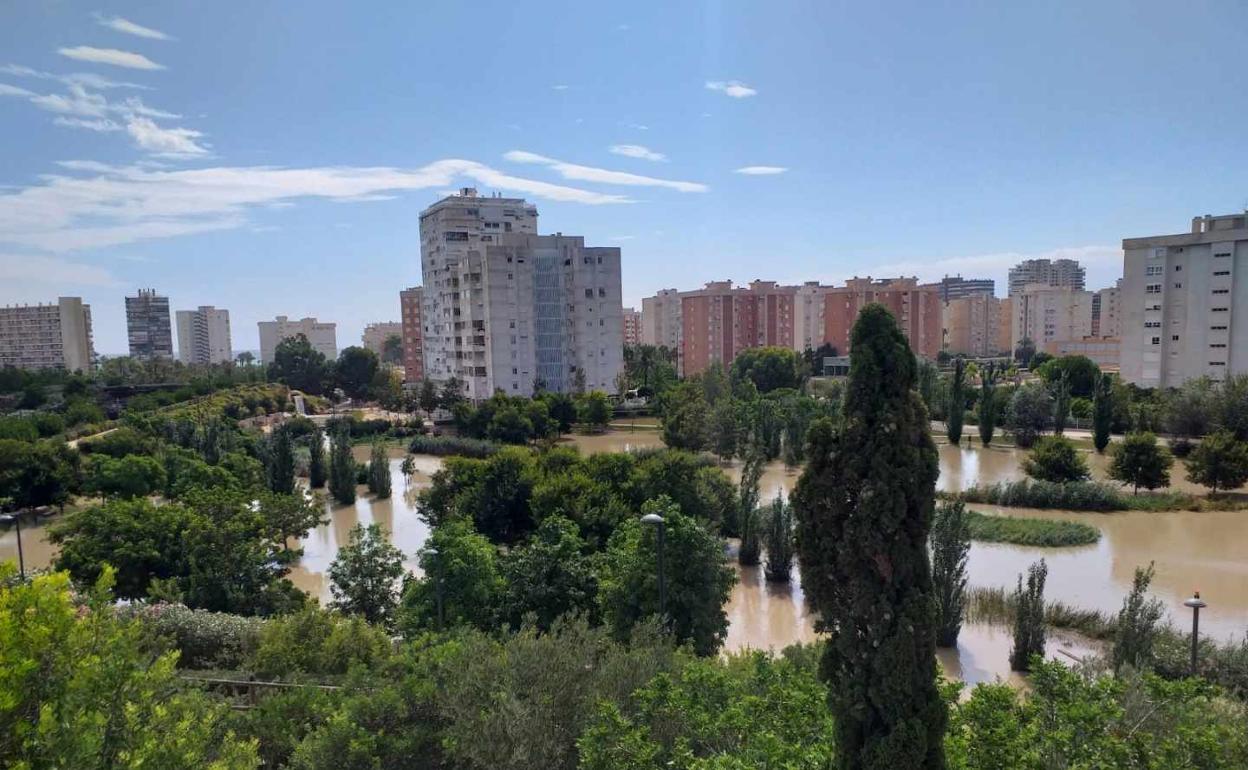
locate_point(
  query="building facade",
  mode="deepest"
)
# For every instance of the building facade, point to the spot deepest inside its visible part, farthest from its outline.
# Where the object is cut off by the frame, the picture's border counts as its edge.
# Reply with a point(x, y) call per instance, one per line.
point(956, 287)
point(632, 327)
point(375, 335)
point(1107, 311)
point(148, 325)
point(204, 336)
point(660, 320)
point(413, 334)
point(1046, 314)
point(808, 316)
point(322, 336)
point(52, 336)
point(971, 325)
point(719, 321)
point(917, 308)
point(1104, 351)
point(1185, 303)
point(1064, 273)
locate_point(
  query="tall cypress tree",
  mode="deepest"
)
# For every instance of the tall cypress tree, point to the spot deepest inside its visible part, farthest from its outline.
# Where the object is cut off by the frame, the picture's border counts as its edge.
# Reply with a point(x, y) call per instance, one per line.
point(1061, 402)
point(281, 461)
point(379, 471)
point(1102, 411)
point(987, 416)
point(316, 460)
point(957, 402)
point(864, 508)
point(1029, 628)
point(341, 468)
point(951, 544)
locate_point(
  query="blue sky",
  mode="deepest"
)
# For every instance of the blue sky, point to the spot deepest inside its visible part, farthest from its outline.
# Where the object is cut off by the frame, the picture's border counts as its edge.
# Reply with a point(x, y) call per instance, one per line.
point(272, 158)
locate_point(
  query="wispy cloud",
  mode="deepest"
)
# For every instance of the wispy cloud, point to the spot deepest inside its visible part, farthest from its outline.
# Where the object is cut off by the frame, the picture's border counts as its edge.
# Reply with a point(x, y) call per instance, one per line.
point(19, 270)
point(167, 142)
point(760, 170)
point(601, 175)
point(636, 151)
point(734, 88)
point(111, 56)
point(128, 27)
point(559, 87)
point(97, 124)
point(8, 90)
point(87, 79)
point(619, 238)
point(105, 205)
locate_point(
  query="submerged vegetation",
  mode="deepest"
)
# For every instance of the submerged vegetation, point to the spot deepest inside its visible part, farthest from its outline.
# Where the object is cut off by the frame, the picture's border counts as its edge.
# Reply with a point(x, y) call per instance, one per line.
point(1044, 533)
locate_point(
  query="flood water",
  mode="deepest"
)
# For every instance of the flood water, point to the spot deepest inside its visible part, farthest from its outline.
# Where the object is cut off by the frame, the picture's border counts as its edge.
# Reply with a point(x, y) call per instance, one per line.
point(1205, 551)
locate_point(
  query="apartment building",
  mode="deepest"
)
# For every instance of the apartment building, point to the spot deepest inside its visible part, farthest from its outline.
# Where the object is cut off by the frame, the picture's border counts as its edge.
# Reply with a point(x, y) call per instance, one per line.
point(1107, 311)
point(660, 320)
point(956, 287)
point(148, 325)
point(1064, 273)
point(504, 306)
point(1185, 303)
point(632, 327)
point(808, 319)
point(971, 325)
point(375, 335)
point(52, 336)
point(322, 336)
point(719, 321)
point(204, 335)
point(916, 307)
point(413, 334)
point(1046, 314)
point(1004, 332)
point(1105, 352)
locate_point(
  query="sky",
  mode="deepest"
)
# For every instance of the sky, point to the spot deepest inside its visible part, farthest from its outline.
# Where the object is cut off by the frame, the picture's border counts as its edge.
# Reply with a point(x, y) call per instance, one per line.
point(273, 157)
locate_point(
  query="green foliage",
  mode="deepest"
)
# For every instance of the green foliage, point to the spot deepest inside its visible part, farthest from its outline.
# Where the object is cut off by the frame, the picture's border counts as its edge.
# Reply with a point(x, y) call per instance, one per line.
point(748, 517)
point(593, 410)
point(951, 545)
point(316, 459)
point(686, 417)
point(780, 544)
point(549, 576)
point(364, 576)
point(1102, 411)
point(459, 569)
point(138, 539)
point(1061, 402)
point(864, 507)
point(1055, 459)
point(316, 642)
point(1135, 633)
point(508, 419)
point(1072, 496)
point(698, 578)
point(1080, 372)
point(281, 721)
point(650, 369)
point(379, 471)
point(1192, 410)
point(81, 690)
point(1029, 623)
point(342, 476)
point(119, 443)
point(201, 638)
point(1043, 533)
point(726, 428)
point(442, 446)
point(37, 474)
point(1140, 461)
point(1232, 406)
point(1030, 413)
point(768, 368)
point(297, 364)
point(955, 413)
point(280, 461)
point(1219, 461)
point(18, 429)
point(986, 416)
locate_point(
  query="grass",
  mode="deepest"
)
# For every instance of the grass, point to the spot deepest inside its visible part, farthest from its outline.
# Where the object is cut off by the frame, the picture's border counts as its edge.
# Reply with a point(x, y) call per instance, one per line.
point(452, 445)
point(1034, 532)
point(1089, 496)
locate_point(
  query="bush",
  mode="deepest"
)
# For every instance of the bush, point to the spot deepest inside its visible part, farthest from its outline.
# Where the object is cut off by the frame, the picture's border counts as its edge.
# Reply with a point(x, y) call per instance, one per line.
point(442, 446)
point(317, 642)
point(203, 639)
point(1034, 532)
point(1074, 496)
point(1055, 459)
point(1181, 447)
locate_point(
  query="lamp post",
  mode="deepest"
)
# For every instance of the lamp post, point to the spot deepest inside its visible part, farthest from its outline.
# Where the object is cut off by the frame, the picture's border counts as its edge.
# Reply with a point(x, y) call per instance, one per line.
point(655, 520)
point(16, 518)
point(432, 554)
point(1197, 604)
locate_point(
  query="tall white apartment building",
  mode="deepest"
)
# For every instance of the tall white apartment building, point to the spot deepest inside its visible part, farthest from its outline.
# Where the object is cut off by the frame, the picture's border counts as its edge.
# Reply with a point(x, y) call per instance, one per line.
point(1066, 273)
point(1048, 314)
point(322, 336)
point(204, 336)
point(1185, 303)
point(147, 325)
point(52, 336)
point(504, 306)
point(1107, 311)
point(808, 318)
point(661, 320)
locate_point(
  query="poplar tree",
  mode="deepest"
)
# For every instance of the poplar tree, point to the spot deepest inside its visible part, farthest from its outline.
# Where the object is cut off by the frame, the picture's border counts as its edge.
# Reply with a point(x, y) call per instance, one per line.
point(1029, 628)
point(987, 415)
point(341, 468)
point(281, 462)
point(747, 510)
point(951, 544)
point(316, 459)
point(864, 509)
point(957, 402)
point(379, 471)
point(1102, 411)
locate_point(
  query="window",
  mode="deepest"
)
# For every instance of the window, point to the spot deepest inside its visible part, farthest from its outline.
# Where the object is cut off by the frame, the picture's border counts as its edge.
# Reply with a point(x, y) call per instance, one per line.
point(1219, 309)
point(1217, 344)
point(589, 293)
point(1152, 324)
point(1174, 338)
point(1217, 328)
point(1156, 340)
point(1221, 272)
point(1223, 254)
point(1217, 363)
point(1178, 286)
point(456, 236)
point(1153, 270)
point(1221, 291)
point(1152, 288)
point(602, 292)
point(1178, 268)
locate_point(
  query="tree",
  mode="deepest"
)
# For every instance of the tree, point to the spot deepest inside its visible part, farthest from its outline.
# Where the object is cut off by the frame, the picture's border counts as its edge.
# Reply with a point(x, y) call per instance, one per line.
point(139, 540)
point(379, 471)
point(1140, 461)
point(987, 407)
point(1232, 406)
point(364, 576)
point(1102, 411)
point(300, 366)
point(1054, 458)
point(1029, 620)
point(407, 468)
point(1219, 461)
point(459, 570)
point(84, 689)
point(594, 411)
point(428, 396)
point(36, 474)
point(698, 578)
point(578, 381)
point(355, 370)
point(280, 461)
point(779, 537)
point(951, 545)
point(1081, 373)
point(864, 507)
point(1135, 633)
point(686, 416)
point(957, 402)
point(1061, 402)
point(392, 350)
point(747, 510)
point(342, 477)
point(316, 458)
point(769, 368)
point(561, 409)
point(452, 394)
point(245, 359)
point(550, 575)
point(1025, 352)
point(128, 477)
point(1031, 409)
point(725, 428)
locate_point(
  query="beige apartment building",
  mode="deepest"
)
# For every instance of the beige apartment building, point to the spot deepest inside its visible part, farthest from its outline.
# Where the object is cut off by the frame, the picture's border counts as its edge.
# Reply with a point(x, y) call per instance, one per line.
point(204, 336)
point(808, 315)
point(1046, 314)
point(660, 320)
point(632, 327)
point(1107, 311)
point(52, 336)
point(1185, 303)
point(410, 300)
point(971, 325)
point(322, 336)
point(1062, 273)
point(375, 334)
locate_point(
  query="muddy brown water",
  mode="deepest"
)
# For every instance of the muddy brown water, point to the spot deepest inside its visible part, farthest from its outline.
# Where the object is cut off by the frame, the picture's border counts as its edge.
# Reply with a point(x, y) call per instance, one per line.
point(1205, 551)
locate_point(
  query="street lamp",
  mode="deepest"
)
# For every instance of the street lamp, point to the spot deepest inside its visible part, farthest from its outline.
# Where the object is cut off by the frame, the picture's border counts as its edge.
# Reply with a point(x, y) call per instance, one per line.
point(16, 518)
point(655, 520)
point(1197, 604)
point(432, 554)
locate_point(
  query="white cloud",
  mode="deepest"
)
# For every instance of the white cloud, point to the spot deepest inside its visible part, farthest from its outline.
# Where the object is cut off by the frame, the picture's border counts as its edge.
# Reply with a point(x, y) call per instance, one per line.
point(638, 127)
point(18, 270)
point(601, 175)
point(78, 101)
point(111, 56)
point(168, 142)
point(8, 90)
point(110, 205)
point(91, 124)
point(636, 151)
point(734, 88)
point(760, 170)
point(560, 87)
point(88, 79)
point(619, 238)
point(128, 27)
point(1103, 263)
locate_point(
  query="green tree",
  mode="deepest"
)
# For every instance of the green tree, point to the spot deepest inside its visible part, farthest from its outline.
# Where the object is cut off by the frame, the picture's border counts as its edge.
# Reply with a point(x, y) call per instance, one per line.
point(428, 396)
point(407, 468)
point(379, 471)
point(364, 576)
point(355, 371)
point(698, 578)
point(1219, 461)
point(452, 394)
point(1192, 410)
point(1061, 401)
point(392, 350)
point(36, 474)
point(725, 428)
point(1081, 374)
point(459, 570)
point(316, 458)
point(1140, 461)
point(1232, 406)
point(987, 407)
point(1135, 633)
point(594, 410)
point(748, 517)
point(1030, 413)
point(297, 364)
point(864, 507)
point(561, 408)
point(1054, 458)
point(1025, 352)
point(1029, 620)
point(127, 477)
point(780, 545)
point(549, 575)
point(769, 368)
point(342, 477)
point(140, 540)
point(686, 416)
point(280, 461)
point(951, 545)
point(956, 411)
point(1102, 411)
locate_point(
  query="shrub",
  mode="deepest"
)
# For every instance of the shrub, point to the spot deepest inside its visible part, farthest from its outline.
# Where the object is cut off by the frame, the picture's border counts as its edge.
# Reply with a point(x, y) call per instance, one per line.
point(204, 639)
point(1055, 459)
point(1044, 533)
point(442, 446)
point(1073, 496)
point(318, 642)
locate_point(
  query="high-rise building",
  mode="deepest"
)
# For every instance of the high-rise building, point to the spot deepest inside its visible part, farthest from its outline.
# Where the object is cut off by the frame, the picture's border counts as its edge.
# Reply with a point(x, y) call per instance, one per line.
point(917, 308)
point(204, 336)
point(1005, 332)
point(504, 306)
point(956, 287)
point(971, 324)
point(1107, 311)
point(1185, 303)
point(148, 325)
point(322, 336)
point(413, 334)
point(52, 336)
point(1065, 273)
point(1047, 314)
point(632, 327)
point(375, 335)
point(808, 320)
point(660, 320)
point(720, 321)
